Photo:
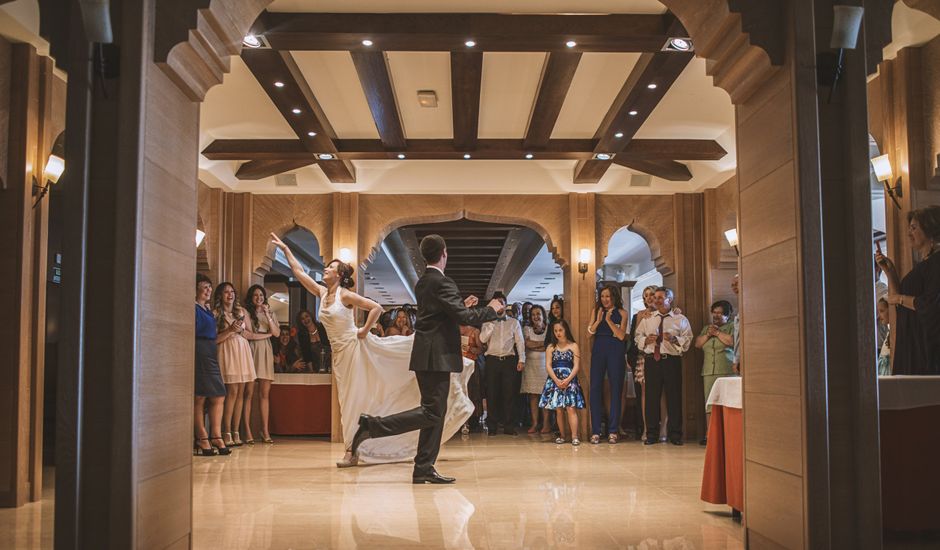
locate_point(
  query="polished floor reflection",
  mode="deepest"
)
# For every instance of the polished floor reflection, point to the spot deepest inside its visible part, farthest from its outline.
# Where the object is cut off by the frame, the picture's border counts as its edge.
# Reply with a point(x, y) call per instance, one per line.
point(511, 492)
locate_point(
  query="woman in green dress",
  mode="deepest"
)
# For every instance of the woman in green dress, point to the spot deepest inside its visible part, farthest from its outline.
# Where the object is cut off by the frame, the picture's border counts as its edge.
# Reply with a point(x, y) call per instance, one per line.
point(717, 341)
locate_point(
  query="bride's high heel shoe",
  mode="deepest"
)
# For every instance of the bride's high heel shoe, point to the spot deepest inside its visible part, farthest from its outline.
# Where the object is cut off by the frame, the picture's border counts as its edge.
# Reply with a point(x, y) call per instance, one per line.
point(348, 461)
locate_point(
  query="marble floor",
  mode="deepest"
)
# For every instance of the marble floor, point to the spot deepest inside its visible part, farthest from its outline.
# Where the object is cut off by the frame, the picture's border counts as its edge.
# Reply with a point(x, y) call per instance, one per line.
point(511, 492)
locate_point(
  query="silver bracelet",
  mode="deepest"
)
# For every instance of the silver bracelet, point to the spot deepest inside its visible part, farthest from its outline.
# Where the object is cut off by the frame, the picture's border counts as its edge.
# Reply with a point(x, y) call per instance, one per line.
point(590, 331)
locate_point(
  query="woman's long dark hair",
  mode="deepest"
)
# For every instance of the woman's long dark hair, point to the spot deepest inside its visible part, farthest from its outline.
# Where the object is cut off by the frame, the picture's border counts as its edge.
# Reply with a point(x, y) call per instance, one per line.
point(615, 297)
point(550, 337)
point(217, 310)
point(303, 336)
point(249, 301)
point(567, 328)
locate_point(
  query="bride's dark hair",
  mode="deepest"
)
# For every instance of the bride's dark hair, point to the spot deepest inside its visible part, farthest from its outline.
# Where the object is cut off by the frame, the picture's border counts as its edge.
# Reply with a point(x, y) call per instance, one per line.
point(345, 272)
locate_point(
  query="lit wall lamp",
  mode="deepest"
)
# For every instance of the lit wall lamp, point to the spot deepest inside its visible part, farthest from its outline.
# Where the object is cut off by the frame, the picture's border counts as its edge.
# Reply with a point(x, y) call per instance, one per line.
point(583, 260)
point(200, 235)
point(732, 236)
point(882, 167)
point(345, 255)
point(846, 22)
point(50, 175)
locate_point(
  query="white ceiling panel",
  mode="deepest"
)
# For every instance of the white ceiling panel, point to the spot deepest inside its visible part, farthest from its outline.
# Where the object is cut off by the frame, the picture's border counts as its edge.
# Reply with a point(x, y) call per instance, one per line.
point(596, 83)
point(469, 6)
point(510, 82)
point(413, 71)
point(335, 83)
point(541, 281)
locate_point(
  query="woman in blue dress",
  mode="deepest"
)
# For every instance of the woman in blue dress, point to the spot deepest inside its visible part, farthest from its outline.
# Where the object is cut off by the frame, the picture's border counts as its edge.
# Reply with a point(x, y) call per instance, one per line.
point(562, 390)
point(608, 356)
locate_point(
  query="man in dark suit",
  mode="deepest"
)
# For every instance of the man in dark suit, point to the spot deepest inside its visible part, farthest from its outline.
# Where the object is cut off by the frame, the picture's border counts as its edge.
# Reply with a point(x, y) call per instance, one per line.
point(435, 355)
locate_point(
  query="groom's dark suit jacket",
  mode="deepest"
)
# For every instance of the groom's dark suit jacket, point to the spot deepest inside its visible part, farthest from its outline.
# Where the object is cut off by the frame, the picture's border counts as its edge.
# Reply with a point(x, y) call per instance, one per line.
point(441, 311)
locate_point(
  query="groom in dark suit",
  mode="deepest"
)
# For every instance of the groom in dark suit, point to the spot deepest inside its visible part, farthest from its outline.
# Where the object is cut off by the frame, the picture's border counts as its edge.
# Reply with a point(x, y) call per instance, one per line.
point(435, 355)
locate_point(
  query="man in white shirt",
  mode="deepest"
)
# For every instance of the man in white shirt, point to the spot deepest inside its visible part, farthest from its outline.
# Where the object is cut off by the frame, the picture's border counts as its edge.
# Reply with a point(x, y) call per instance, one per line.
point(663, 337)
point(505, 360)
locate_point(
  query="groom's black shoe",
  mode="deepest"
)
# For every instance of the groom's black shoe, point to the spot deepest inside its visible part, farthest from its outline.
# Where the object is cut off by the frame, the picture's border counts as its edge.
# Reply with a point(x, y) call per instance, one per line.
point(432, 477)
point(362, 433)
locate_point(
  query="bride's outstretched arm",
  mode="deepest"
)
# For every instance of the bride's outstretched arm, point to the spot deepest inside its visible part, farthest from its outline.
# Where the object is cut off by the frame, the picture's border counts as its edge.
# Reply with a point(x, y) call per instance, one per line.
point(350, 298)
point(309, 282)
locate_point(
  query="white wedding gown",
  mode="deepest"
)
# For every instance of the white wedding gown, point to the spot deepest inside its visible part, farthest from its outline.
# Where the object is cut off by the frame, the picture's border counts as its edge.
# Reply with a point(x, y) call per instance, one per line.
point(372, 377)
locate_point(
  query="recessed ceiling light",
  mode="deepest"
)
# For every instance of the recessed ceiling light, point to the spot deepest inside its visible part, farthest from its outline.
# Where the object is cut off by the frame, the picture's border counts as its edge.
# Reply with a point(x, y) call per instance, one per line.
point(619, 135)
point(466, 155)
point(651, 86)
point(470, 43)
point(679, 45)
point(529, 155)
point(632, 113)
point(401, 155)
point(571, 43)
point(296, 111)
point(325, 156)
point(279, 84)
point(311, 134)
point(366, 42)
point(603, 156)
point(251, 41)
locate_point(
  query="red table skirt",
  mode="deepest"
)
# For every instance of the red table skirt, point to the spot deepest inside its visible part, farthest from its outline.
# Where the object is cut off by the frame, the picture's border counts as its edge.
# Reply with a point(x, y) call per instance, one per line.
point(300, 410)
point(723, 477)
point(910, 469)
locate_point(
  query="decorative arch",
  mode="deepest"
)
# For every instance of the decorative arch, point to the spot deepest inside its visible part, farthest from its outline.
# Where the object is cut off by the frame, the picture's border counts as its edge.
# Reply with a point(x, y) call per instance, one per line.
point(650, 217)
point(279, 214)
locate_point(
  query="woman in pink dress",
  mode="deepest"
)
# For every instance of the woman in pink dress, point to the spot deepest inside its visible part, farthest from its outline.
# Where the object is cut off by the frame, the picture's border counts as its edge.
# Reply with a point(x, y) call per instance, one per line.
point(235, 358)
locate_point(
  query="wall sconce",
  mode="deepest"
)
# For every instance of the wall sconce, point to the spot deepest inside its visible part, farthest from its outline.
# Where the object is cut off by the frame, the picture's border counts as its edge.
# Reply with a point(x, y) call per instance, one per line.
point(200, 235)
point(583, 260)
point(732, 237)
point(882, 168)
point(345, 255)
point(50, 175)
point(846, 22)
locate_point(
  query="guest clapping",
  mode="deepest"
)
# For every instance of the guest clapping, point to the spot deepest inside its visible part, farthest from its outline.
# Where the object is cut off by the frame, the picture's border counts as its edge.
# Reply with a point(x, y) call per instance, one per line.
point(403, 325)
point(209, 385)
point(264, 326)
point(609, 329)
point(917, 297)
point(235, 357)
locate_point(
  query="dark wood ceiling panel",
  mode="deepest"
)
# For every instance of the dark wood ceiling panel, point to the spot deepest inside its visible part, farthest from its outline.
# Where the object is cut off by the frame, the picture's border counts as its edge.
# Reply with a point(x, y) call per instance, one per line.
point(376, 81)
point(466, 77)
point(449, 31)
point(297, 104)
point(557, 75)
point(260, 169)
point(669, 170)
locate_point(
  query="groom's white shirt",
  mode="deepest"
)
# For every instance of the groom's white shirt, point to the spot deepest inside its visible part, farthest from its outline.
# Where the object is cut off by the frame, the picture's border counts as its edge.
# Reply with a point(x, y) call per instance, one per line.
point(437, 268)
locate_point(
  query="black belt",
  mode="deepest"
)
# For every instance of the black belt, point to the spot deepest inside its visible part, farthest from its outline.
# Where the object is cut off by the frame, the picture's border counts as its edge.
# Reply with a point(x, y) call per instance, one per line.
point(501, 357)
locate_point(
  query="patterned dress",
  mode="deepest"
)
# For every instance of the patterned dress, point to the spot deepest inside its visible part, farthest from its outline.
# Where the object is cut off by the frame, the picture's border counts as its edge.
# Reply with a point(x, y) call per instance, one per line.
point(554, 397)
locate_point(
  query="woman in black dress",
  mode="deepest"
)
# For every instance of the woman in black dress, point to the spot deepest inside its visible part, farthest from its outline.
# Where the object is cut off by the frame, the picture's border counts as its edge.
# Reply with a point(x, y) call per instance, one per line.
point(917, 297)
point(208, 376)
point(313, 343)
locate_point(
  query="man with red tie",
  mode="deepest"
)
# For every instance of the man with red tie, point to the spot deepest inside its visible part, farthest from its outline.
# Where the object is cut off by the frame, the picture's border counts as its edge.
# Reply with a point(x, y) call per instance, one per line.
point(663, 337)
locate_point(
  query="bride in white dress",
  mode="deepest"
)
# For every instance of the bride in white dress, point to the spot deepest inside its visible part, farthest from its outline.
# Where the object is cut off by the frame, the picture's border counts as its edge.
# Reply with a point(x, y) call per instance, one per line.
point(371, 373)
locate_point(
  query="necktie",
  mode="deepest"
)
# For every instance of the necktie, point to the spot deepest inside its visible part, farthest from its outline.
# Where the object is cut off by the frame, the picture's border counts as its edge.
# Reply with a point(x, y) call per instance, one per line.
point(659, 338)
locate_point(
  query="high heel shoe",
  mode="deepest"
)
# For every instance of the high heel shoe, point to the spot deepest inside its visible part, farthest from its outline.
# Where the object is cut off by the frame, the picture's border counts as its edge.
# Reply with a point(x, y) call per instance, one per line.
point(348, 461)
point(229, 442)
point(198, 450)
point(222, 450)
point(236, 440)
point(267, 439)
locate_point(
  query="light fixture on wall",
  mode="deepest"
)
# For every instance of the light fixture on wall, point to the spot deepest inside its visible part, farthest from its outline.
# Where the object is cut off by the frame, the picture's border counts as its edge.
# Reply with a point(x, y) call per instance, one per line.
point(345, 255)
point(55, 165)
point(731, 236)
point(200, 235)
point(882, 168)
point(583, 260)
point(846, 22)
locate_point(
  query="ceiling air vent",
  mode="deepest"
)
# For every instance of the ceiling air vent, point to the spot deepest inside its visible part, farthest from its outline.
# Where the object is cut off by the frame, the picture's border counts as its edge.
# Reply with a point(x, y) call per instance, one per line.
point(641, 180)
point(285, 180)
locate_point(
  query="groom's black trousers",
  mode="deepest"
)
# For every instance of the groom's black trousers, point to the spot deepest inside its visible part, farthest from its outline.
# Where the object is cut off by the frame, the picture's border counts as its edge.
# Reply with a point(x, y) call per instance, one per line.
point(429, 418)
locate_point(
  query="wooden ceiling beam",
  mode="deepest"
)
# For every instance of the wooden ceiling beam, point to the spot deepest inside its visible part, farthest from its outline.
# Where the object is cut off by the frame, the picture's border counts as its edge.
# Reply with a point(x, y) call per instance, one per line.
point(376, 81)
point(297, 104)
point(260, 169)
point(466, 80)
point(450, 31)
point(557, 74)
point(668, 170)
point(486, 149)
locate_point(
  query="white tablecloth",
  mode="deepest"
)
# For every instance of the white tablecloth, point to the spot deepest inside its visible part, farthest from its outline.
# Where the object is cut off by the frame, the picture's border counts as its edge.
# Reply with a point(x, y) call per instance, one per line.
point(727, 392)
point(303, 379)
point(908, 392)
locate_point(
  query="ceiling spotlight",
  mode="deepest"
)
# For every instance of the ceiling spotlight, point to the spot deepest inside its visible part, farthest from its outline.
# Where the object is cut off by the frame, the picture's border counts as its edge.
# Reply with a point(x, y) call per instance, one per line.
point(678, 45)
point(312, 134)
point(529, 155)
point(296, 111)
point(251, 41)
point(366, 42)
point(603, 156)
point(401, 155)
point(278, 84)
point(466, 155)
point(619, 135)
point(470, 43)
point(651, 86)
point(571, 43)
point(632, 113)
point(325, 156)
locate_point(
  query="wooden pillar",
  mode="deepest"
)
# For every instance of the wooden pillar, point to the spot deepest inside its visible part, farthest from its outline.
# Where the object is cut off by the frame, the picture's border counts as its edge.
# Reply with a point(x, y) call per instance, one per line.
point(211, 202)
point(691, 267)
point(345, 235)
point(581, 297)
point(235, 242)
